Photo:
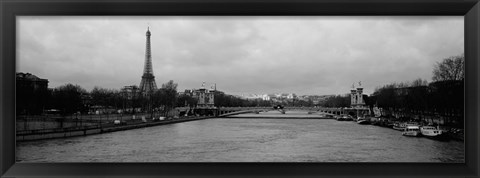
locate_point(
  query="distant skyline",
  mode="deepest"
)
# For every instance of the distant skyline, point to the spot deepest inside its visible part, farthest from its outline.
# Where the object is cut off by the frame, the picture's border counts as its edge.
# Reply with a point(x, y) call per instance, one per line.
point(242, 55)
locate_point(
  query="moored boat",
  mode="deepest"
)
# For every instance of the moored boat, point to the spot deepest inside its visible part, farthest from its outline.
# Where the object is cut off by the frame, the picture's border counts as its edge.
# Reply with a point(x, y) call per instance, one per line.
point(344, 118)
point(376, 121)
point(402, 125)
point(389, 124)
point(430, 131)
point(399, 126)
point(385, 122)
point(362, 120)
point(433, 133)
point(348, 118)
point(329, 116)
point(412, 131)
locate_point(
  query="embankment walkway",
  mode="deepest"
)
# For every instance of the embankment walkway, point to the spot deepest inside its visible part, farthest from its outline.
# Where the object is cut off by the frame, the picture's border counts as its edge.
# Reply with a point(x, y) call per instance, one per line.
point(30, 135)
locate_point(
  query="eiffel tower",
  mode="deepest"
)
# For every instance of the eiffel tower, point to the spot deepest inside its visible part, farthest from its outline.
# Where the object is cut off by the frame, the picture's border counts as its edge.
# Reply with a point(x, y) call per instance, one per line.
point(148, 85)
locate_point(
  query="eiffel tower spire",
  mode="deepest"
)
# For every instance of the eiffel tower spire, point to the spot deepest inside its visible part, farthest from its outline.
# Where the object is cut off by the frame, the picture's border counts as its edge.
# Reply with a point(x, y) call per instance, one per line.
point(148, 85)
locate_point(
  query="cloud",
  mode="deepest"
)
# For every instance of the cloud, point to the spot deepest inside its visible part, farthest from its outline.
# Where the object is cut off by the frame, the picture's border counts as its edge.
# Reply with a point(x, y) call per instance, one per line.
point(303, 55)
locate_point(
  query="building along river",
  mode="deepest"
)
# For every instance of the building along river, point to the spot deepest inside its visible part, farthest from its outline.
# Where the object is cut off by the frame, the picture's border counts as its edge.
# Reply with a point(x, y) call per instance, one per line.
point(246, 140)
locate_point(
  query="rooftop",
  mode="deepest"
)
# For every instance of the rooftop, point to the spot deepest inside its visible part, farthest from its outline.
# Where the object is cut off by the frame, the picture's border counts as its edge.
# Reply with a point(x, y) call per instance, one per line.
point(28, 76)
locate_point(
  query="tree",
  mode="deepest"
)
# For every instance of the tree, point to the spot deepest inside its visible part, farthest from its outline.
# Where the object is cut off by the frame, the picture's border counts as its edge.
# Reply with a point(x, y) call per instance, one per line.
point(385, 96)
point(170, 85)
point(99, 96)
point(419, 82)
point(166, 96)
point(131, 98)
point(444, 98)
point(447, 99)
point(170, 89)
point(221, 99)
point(451, 68)
point(69, 98)
point(338, 101)
point(107, 98)
point(186, 100)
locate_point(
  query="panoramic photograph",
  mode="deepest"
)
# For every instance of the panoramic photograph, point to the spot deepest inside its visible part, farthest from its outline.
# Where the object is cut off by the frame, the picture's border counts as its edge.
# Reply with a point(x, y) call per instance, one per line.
point(240, 89)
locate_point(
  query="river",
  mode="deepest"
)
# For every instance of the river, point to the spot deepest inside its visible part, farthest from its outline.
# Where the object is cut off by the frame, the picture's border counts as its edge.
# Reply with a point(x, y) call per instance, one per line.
point(246, 140)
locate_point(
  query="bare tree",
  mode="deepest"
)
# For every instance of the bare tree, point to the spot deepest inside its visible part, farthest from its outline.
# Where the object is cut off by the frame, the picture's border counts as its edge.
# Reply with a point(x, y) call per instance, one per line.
point(451, 68)
point(168, 95)
point(170, 85)
point(69, 98)
point(419, 82)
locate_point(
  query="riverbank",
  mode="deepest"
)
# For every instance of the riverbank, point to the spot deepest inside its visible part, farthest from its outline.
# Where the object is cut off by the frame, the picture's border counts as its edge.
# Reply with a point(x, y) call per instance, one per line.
point(41, 134)
point(449, 133)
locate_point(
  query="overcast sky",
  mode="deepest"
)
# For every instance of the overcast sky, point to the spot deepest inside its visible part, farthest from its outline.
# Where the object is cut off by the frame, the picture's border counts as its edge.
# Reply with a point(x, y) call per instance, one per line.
point(242, 55)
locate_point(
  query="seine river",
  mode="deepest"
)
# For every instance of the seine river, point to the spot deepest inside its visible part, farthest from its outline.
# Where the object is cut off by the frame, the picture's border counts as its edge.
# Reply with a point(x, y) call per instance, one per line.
point(246, 140)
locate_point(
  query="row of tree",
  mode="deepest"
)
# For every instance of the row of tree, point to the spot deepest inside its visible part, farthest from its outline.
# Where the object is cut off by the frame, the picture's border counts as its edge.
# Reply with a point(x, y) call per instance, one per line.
point(344, 101)
point(444, 96)
point(440, 98)
point(70, 98)
point(338, 101)
point(67, 98)
point(224, 100)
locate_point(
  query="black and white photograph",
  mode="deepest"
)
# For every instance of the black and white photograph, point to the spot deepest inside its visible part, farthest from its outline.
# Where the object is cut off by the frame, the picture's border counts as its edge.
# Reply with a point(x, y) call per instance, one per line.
point(322, 89)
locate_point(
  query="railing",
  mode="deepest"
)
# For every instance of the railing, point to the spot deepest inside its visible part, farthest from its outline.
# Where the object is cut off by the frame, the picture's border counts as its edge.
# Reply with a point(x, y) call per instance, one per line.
point(48, 123)
point(56, 130)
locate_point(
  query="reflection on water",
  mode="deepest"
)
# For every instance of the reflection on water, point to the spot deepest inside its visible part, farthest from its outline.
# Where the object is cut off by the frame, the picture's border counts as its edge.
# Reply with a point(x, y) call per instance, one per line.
point(246, 140)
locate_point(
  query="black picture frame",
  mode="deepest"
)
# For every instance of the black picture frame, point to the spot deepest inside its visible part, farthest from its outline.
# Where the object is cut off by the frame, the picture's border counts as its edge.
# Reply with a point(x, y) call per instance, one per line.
point(9, 9)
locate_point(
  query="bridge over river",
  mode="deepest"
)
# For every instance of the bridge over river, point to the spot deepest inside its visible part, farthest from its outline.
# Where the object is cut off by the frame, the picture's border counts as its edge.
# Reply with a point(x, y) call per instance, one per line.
point(231, 111)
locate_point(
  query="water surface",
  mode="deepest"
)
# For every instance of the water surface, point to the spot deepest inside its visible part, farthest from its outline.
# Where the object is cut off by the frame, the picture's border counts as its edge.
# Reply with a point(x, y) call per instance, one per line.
point(246, 140)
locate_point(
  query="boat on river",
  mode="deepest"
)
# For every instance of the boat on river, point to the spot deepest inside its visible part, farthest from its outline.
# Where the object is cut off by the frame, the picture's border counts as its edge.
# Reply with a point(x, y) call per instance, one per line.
point(433, 133)
point(344, 118)
point(430, 131)
point(383, 122)
point(398, 126)
point(376, 121)
point(412, 131)
point(389, 124)
point(349, 118)
point(363, 120)
point(402, 125)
